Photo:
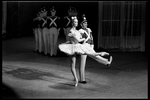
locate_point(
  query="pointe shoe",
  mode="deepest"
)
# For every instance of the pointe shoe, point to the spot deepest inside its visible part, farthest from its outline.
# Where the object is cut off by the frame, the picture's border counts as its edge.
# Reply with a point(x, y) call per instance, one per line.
point(76, 83)
point(110, 60)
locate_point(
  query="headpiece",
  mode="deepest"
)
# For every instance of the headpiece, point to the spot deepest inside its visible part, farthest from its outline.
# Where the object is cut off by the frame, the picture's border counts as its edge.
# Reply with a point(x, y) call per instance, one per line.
point(84, 19)
point(75, 13)
point(53, 10)
point(43, 10)
point(74, 18)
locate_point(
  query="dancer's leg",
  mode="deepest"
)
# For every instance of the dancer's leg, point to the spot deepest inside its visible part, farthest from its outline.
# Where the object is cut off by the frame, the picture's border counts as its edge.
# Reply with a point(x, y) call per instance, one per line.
point(73, 70)
point(34, 32)
point(82, 67)
point(102, 53)
point(53, 46)
point(40, 39)
point(46, 31)
point(48, 41)
point(51, 41)
point(91, 53)
point(45, 40)
point(36, 37)
point(101, 59)
point(42, 42)
point(55, 41)
point(65, 32)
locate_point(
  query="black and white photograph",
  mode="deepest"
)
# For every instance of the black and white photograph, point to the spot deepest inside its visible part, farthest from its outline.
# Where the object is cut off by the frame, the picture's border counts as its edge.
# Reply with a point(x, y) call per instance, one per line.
point(74, 49)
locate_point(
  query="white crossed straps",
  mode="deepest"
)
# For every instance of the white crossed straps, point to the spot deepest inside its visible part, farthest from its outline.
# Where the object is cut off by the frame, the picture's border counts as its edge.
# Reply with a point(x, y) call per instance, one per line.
point(45, 21)
point(68, 21)
point(88, 33)
point(53, 21)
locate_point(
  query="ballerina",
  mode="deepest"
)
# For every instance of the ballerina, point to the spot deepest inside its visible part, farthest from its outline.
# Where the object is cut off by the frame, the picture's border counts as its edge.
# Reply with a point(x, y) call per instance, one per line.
point(74, 47)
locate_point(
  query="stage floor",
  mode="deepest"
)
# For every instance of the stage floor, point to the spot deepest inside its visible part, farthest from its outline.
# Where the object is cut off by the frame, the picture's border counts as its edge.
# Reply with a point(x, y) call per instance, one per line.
point(33, 75)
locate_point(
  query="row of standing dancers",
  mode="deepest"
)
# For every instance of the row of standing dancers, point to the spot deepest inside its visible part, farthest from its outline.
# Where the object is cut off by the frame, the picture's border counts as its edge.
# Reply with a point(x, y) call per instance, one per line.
point(78, 42)
point(46, 30)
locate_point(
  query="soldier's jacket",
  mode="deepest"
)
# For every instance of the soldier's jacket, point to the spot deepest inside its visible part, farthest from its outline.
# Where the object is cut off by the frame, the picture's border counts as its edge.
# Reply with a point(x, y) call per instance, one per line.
point(86, 33)
point(53, 22)
point(67, 22)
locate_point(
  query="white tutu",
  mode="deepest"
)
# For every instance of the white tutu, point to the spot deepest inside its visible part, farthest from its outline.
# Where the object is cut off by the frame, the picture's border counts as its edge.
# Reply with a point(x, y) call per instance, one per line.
point(70, 48)
point(78, 48)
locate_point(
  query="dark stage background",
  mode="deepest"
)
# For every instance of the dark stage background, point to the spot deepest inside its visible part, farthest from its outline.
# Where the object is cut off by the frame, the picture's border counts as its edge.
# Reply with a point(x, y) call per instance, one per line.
point(105, 18)
point(21, 14)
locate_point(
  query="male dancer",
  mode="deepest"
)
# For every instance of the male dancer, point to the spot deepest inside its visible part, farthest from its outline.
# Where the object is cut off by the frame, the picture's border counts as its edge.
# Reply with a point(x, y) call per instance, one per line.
point(35, 31)
point(67, 22)
point(54, 28)
point(39, 31)
point(90, 41)
point(44, 30)
point(87, 34)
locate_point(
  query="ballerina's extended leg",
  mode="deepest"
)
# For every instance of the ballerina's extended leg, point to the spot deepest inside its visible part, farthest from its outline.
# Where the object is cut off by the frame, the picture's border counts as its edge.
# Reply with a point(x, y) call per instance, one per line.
point(103, 53)
point(101, 59)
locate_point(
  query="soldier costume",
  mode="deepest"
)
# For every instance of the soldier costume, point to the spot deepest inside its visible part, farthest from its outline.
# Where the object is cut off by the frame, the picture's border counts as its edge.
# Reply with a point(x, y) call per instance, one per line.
point(39, 31)
point(54, 28)
point(35, 32)
point(67, 22)
point(44, 31)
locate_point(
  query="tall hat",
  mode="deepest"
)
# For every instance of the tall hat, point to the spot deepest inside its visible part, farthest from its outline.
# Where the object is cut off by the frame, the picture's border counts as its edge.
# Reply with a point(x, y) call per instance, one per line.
point(38, 13)
point(43, 11)
point(72, 11)
point(83, 19)
point(75, 13)
point(52, 9)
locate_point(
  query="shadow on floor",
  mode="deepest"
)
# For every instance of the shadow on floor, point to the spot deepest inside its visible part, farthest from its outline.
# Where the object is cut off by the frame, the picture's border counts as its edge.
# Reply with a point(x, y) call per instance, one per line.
point(31, 74)
point(90, 86)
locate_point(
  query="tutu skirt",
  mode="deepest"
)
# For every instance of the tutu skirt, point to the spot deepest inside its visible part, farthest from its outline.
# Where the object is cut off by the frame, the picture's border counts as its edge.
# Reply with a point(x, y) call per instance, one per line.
point(71, 49)
point(78, 48)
